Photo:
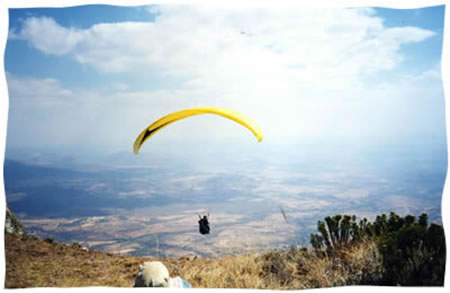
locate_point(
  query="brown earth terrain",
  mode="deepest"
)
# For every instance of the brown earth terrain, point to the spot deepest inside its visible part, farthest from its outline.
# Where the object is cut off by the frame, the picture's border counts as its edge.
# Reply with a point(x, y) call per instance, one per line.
point(32, 262)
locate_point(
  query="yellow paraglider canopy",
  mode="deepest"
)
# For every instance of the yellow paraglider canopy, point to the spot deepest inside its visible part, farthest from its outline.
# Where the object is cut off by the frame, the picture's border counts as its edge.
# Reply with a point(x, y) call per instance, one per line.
point(168, 119)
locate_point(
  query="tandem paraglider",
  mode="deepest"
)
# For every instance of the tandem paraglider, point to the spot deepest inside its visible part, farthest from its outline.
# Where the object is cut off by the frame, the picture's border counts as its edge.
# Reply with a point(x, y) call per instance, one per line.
point(173, 117)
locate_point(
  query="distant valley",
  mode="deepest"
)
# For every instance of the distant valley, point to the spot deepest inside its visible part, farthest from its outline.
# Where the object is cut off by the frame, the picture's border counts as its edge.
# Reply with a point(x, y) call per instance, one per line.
point(154, 211)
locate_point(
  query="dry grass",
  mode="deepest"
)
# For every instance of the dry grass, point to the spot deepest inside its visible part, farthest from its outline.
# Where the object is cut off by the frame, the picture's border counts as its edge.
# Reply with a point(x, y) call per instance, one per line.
point(231, 272)
point(36, 263)
point(300, 268)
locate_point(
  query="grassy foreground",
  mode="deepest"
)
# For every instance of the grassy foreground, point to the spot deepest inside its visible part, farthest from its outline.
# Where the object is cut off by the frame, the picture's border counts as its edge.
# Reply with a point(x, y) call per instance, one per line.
point(390, 251)
point(32, 262)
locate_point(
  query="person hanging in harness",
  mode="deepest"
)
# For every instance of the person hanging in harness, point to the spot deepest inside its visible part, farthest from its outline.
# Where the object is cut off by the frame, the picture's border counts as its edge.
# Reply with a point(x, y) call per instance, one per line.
point(203, 224)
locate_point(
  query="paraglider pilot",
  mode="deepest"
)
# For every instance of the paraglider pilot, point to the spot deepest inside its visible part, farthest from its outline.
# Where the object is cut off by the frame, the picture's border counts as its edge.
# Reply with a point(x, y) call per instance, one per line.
point(203, 225)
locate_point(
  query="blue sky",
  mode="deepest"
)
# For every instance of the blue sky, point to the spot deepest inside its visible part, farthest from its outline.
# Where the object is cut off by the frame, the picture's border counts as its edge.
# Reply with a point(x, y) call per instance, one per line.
point(95, 76)
point(25, 60)
point(22, 59)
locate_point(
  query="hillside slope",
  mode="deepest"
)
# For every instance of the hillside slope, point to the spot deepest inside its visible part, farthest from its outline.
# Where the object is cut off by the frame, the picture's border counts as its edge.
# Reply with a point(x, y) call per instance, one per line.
point(13, 225)
point(32, 262)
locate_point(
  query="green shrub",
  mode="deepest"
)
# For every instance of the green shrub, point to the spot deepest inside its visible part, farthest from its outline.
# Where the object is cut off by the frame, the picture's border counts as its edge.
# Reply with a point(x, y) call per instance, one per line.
point(49, 240)
point(413, 251)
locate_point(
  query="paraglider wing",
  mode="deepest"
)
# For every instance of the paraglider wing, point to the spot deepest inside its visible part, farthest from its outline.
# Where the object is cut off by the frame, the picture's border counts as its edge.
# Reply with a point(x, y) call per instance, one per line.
point(168, 119)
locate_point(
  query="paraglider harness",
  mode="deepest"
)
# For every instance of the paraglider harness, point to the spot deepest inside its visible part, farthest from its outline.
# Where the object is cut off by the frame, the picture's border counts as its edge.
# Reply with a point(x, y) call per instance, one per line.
point(203, 225)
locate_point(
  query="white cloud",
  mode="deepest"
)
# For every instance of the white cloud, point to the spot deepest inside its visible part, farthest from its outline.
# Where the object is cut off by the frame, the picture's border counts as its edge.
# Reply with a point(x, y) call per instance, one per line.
point(38, 92)
point(48, 36)
point(297, 73)
point(43, 111)
point(191, 40)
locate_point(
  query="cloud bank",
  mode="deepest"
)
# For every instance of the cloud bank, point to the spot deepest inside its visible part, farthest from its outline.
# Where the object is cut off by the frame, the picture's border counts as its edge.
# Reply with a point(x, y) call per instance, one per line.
point(298, 73)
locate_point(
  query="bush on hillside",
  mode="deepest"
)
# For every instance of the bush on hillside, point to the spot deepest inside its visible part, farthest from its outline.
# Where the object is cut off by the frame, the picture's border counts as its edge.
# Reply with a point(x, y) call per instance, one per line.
point(413, 251)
